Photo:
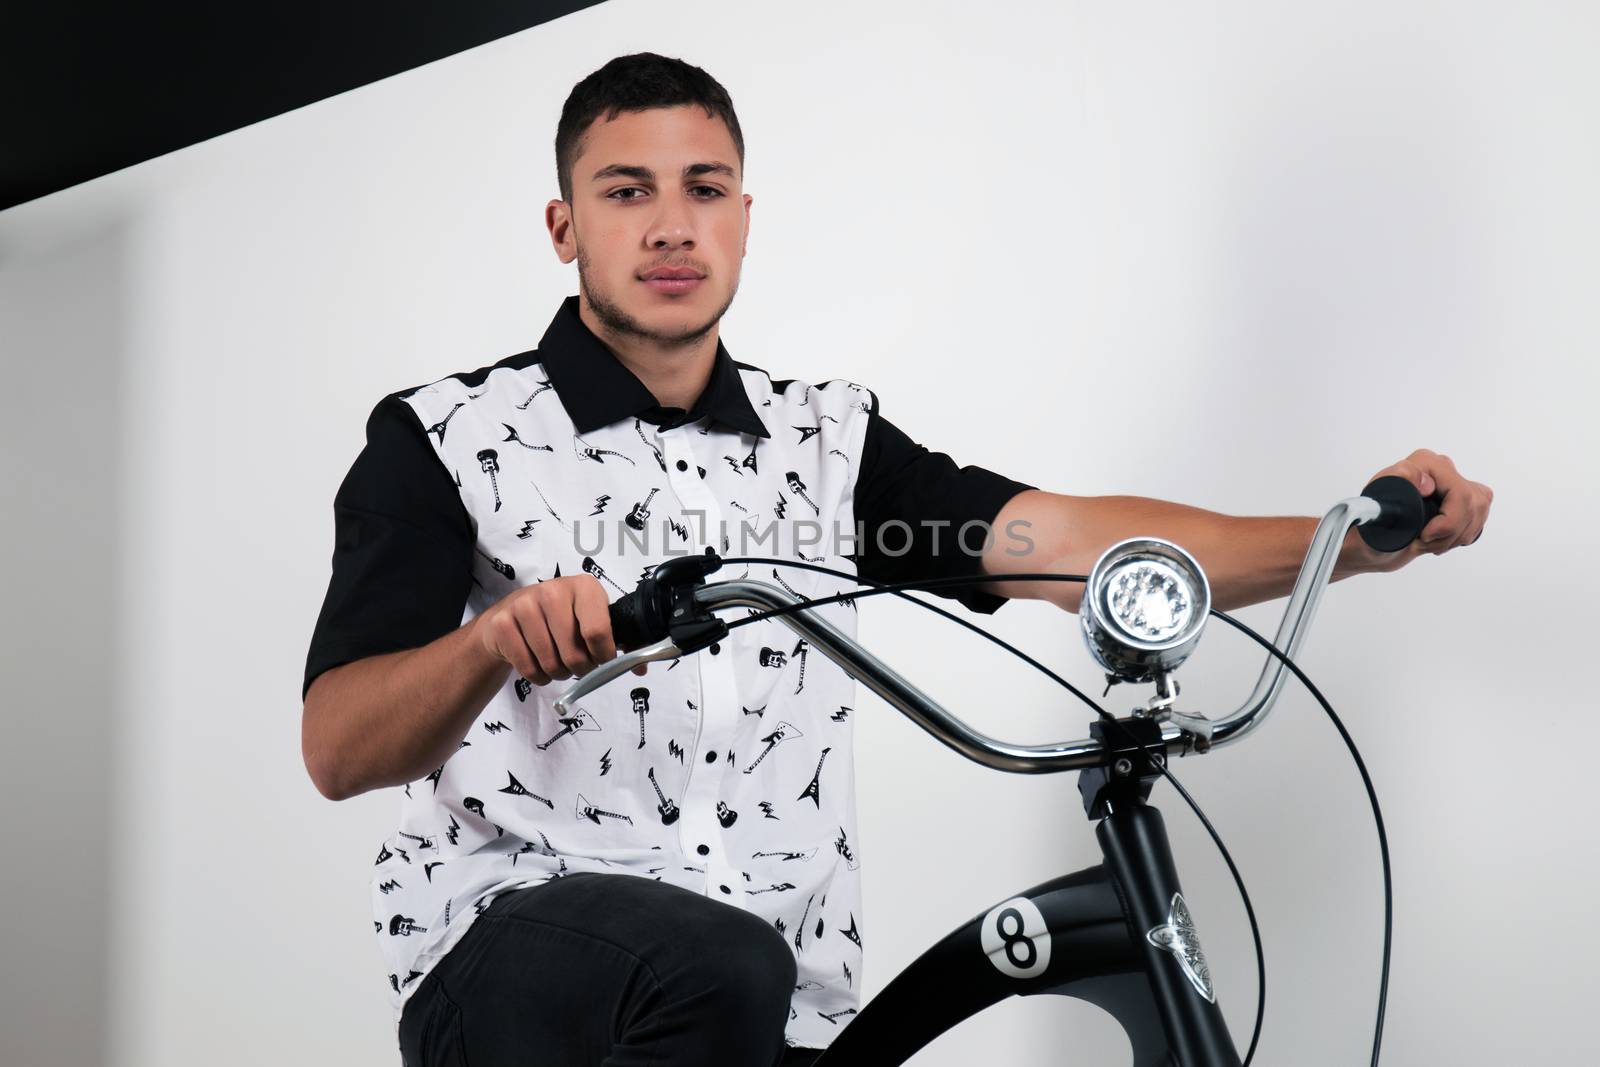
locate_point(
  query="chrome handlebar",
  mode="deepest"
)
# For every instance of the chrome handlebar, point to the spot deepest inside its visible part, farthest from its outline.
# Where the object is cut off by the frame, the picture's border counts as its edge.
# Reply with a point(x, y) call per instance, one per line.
point(1179, 735)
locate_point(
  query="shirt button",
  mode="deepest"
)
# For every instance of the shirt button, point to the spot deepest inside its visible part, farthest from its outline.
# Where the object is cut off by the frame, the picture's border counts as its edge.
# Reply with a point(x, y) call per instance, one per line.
point(682, 465)
point(711, 757)
point(725, 889)
point(703, 850)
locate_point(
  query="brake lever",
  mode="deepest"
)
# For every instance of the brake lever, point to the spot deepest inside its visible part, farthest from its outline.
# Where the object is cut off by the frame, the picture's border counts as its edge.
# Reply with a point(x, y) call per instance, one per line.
point(665, 648)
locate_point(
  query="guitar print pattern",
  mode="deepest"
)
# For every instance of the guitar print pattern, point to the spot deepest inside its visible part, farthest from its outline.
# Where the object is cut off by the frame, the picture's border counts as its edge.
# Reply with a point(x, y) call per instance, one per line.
point(727, 774)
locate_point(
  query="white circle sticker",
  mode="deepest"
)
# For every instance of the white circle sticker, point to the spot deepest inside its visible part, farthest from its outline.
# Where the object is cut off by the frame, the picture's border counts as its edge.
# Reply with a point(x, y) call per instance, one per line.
point(1015, 938)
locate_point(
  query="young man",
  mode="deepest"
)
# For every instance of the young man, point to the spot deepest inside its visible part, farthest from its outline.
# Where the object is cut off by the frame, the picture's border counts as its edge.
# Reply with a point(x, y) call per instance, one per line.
point(671, 874)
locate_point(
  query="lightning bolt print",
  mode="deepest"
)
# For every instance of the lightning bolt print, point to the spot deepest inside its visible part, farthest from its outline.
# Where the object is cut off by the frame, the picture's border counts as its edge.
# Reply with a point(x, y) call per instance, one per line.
point(522, 541)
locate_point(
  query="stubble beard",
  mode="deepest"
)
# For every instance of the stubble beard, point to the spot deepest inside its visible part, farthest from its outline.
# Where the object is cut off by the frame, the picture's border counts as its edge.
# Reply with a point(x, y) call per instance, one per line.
point(611, 315)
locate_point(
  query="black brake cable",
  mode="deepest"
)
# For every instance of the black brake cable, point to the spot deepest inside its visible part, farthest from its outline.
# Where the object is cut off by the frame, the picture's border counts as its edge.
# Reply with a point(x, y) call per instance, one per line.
point(899, 589)
point(1377, 815)
point(1344, 734)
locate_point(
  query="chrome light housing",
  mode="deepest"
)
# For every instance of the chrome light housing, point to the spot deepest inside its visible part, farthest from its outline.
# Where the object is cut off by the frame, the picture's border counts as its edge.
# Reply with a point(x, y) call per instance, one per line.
point(1143, 608)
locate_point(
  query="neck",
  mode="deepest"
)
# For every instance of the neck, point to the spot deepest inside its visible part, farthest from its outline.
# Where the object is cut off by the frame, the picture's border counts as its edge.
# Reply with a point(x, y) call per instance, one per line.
point(676, 375)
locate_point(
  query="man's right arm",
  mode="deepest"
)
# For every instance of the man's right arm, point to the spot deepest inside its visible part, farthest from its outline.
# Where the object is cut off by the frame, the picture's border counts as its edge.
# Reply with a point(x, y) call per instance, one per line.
point(390, 719)
point(393, 678)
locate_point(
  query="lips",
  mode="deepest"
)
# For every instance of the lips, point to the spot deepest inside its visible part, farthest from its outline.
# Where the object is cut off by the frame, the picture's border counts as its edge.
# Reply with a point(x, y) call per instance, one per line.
point(669, 280)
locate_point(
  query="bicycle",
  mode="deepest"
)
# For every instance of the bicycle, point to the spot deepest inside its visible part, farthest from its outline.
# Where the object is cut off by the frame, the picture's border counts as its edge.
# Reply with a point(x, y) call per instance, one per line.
point(1117, 934)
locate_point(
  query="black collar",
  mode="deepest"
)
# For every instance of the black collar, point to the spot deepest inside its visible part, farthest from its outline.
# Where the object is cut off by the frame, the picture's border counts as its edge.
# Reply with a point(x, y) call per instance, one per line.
point(597, 390)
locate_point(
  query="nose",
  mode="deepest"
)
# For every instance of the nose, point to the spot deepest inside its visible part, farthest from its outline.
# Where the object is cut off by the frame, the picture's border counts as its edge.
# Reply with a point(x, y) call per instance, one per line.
point(672, 226)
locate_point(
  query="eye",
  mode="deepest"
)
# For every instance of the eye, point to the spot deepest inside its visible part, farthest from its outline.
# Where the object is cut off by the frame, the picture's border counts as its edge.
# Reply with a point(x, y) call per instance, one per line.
point(616, 193)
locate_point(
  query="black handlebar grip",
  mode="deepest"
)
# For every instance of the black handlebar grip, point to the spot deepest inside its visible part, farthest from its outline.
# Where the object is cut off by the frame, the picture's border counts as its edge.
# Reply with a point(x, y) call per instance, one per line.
point(1404, 512)
point(627, 628)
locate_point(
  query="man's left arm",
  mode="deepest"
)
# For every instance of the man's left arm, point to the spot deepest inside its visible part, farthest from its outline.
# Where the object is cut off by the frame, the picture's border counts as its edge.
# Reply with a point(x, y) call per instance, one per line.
point(1246, 559)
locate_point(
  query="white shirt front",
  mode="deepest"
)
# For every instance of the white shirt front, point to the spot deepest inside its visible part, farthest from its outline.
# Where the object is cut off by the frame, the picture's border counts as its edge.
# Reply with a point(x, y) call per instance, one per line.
point(730, 774)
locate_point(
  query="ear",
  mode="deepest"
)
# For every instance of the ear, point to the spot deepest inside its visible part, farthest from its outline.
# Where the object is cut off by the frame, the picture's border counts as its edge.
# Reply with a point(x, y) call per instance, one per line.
point(745, 243)
point(558, 219)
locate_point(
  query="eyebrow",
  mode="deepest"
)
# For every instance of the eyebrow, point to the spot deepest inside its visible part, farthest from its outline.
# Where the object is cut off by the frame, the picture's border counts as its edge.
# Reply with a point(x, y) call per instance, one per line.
point(645, 174)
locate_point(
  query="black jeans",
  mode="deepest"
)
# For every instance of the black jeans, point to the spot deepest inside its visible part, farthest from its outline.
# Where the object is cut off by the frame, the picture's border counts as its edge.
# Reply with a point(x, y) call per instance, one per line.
point(606, 970)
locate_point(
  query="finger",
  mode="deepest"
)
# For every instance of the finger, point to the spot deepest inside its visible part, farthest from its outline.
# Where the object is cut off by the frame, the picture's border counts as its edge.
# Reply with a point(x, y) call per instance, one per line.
point(1451, 522)
point(593, 613)
point(1474, 509)
point(563, 622)
point(1458, 531)
point(1475, 528)
point(536, 632)
point(1486, 495)
point(1414, 473)
point(510, 647)
point(559, 668)
point(640, 668)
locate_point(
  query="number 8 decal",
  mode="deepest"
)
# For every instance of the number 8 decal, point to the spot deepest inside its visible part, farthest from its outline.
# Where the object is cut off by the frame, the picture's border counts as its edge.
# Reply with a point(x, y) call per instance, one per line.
point(1015, 938)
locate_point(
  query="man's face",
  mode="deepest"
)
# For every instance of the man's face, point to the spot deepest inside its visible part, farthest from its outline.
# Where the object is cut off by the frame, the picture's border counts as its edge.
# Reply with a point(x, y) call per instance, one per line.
point(651, 189)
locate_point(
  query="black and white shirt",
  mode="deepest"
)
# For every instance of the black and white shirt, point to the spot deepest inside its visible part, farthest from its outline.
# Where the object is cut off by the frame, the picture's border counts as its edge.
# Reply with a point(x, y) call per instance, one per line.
point(730, 774)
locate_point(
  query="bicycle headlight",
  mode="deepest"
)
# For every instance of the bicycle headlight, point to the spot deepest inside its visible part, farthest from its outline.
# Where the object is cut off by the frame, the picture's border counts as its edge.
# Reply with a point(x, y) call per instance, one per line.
point(1143, 608)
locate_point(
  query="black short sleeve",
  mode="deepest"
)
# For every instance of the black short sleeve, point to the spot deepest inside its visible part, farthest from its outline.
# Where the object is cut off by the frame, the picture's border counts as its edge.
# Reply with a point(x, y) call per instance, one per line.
point(402, 548)
point(912, 498)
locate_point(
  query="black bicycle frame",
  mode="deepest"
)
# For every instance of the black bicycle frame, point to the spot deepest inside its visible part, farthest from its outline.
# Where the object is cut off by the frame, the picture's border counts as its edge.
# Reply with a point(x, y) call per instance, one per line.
point(1117, 935)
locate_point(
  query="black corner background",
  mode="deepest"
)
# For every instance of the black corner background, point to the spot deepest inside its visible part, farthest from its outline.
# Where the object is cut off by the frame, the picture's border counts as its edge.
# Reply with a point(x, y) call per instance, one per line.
point(90, 88)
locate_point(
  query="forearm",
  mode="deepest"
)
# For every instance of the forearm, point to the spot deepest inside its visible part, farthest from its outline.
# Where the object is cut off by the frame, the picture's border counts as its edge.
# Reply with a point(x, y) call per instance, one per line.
point(1247, 560)
point(390, 719)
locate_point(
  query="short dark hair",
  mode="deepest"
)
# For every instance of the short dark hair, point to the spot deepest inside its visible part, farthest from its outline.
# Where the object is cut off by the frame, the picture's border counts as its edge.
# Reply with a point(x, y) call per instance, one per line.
point(637, 82)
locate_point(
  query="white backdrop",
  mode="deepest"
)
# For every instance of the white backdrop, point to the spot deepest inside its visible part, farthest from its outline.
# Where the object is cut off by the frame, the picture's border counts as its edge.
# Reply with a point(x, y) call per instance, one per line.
point(1239, 255)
